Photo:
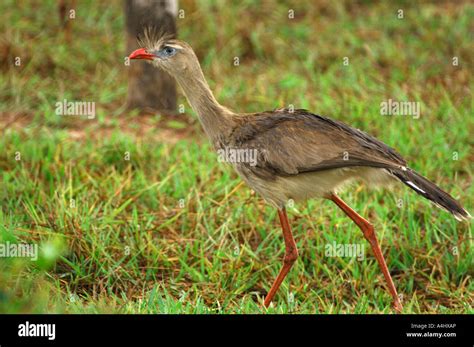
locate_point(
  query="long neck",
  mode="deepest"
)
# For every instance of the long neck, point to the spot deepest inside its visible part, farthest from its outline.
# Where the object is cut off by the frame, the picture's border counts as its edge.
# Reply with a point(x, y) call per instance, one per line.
point(215, 119)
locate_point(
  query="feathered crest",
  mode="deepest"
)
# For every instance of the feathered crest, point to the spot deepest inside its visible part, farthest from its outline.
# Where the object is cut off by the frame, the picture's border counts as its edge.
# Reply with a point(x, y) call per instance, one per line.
point(153, 37)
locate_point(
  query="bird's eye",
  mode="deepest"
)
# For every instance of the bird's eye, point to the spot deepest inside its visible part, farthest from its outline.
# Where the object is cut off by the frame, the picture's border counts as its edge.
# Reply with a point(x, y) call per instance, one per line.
point(169, 51)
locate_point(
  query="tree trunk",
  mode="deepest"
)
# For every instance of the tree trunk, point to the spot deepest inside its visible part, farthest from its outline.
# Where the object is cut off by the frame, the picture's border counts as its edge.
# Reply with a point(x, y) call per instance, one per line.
point(148, 87)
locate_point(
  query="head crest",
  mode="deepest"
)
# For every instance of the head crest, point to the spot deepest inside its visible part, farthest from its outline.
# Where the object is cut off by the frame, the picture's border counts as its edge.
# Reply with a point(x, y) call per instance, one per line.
point(153, 37)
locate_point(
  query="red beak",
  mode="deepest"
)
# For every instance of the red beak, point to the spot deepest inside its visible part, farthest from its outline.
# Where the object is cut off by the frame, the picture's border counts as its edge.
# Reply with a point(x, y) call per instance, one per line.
point(141, 53)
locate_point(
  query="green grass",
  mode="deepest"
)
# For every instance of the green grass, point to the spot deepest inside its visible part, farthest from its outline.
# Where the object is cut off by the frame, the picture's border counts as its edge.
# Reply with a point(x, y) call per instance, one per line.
point(172, 230)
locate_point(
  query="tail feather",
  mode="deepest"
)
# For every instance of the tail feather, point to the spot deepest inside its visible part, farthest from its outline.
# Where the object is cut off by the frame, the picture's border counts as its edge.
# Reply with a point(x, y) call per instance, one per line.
point(432, 192)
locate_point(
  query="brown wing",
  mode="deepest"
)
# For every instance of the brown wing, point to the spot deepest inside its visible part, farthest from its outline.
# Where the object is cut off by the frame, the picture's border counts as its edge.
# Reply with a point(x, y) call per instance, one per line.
point(290, 143)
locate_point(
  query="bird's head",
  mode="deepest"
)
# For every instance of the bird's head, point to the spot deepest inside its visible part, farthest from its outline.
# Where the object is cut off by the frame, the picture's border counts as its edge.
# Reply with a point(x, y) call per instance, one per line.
point(173, 56)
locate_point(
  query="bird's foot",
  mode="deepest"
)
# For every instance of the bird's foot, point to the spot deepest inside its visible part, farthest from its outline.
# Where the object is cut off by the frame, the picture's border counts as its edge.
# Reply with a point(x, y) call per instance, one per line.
point(397, 306)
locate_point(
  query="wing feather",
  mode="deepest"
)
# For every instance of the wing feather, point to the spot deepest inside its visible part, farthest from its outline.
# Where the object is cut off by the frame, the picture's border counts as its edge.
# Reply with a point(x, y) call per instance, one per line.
point(290, 143)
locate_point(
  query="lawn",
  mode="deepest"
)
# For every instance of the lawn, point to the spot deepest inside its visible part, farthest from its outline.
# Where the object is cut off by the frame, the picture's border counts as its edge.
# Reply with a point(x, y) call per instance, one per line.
point(134, 214)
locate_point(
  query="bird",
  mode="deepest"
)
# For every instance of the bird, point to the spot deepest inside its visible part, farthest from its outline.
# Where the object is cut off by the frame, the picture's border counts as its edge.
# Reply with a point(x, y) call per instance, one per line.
point(298, 155)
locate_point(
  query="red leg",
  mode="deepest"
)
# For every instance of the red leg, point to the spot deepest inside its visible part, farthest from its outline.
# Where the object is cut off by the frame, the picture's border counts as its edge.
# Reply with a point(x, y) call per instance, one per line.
point(369, 234)
point(291, 254)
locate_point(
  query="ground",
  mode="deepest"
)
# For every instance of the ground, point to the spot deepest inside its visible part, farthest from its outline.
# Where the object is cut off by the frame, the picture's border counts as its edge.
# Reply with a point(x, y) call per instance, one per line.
point(133, 213)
